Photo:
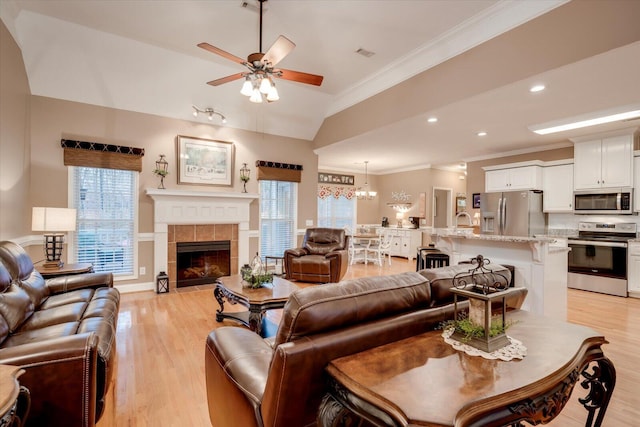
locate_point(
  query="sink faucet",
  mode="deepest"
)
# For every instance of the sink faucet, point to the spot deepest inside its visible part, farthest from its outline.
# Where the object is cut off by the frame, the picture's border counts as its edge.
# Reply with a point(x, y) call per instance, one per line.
point(463, 214)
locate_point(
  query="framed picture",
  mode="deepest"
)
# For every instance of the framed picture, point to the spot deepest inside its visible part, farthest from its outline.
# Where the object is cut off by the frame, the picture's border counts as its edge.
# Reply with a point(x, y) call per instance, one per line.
point(204, 161)
point(476, 200)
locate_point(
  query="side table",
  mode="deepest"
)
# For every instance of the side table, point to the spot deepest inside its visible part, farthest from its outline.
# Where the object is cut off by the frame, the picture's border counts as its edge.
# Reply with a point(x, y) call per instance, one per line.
point(14, 399)
point(65, 270)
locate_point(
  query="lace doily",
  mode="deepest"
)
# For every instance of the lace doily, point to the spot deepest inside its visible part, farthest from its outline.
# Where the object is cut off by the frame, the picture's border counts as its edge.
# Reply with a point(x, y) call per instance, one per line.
point(515, 350)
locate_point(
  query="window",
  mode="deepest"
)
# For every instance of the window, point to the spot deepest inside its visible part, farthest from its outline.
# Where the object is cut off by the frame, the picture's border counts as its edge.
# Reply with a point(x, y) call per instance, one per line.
point(106, 201)
point(278, 217)
point(337, 212)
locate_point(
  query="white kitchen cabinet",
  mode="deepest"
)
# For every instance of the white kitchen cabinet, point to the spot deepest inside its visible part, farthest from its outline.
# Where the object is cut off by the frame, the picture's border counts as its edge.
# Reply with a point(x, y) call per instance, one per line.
point(511, 179)
point(404, 242)
point(633, 269)
point(557, 188)
point(636, 184)
point(603, 163)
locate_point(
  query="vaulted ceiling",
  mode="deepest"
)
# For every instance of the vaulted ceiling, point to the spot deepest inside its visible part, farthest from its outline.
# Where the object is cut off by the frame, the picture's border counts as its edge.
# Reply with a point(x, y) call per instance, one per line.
point(468, 62)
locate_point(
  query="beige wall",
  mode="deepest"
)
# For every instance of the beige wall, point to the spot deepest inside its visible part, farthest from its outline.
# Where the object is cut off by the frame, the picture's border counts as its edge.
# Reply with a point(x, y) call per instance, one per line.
point(15, 220)
point(53, 119)
point(412, 183)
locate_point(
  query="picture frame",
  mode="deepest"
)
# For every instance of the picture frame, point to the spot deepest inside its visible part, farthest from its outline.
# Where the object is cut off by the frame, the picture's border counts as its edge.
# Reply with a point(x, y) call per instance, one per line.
point(476, 200)
point(204, 161)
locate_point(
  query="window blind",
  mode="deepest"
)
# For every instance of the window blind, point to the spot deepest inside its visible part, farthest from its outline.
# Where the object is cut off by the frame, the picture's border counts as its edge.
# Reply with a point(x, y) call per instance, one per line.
point(278, 213)
point(106, 203)
point(337, 212)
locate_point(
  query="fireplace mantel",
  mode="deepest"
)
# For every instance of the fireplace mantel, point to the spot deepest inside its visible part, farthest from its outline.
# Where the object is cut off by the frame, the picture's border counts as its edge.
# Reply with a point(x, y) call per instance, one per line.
point(198, 207)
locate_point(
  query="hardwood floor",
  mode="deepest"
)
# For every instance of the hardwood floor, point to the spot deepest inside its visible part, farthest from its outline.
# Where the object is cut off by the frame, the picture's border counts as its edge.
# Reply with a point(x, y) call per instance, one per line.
point(159, 379)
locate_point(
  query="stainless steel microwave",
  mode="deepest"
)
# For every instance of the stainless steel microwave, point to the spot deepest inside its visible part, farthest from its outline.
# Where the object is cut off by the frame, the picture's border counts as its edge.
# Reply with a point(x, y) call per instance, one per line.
point(603, 201)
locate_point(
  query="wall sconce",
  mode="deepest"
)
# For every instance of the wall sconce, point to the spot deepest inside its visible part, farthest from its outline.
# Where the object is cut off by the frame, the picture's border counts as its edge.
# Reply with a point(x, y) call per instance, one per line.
point(54, 222)
point(161, 170)
point(245, 175)
point(210, 112)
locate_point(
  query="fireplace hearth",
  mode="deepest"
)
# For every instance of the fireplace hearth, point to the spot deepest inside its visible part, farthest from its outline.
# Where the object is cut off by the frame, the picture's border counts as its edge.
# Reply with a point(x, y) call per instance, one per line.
point(200, 263)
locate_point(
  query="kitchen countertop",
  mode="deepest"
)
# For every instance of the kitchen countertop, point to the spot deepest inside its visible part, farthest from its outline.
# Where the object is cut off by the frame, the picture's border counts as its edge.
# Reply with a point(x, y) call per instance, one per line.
point(497, 238)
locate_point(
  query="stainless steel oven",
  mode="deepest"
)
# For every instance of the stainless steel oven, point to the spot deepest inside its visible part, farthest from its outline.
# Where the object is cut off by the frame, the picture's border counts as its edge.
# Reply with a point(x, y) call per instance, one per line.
point(598, 257)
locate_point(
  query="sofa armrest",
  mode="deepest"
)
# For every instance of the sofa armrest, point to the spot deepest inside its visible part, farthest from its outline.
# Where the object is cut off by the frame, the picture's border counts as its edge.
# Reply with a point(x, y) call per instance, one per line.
point(339, 264)
point(79, 281)
point(61, 377)
point(236, 367)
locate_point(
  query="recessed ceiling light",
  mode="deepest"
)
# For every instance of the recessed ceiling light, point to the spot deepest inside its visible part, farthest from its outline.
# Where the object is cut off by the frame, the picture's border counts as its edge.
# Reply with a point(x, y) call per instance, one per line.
point(432, 119)
point(482, 133)
point(537, 88)
point(609, 116)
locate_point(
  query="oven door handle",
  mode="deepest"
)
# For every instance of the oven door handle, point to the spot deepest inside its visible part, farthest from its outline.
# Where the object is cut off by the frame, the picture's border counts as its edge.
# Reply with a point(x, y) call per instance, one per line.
point(592, 243)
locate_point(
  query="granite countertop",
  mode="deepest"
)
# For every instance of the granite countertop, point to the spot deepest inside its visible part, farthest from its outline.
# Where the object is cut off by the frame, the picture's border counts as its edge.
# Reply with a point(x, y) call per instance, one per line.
point(497, 238)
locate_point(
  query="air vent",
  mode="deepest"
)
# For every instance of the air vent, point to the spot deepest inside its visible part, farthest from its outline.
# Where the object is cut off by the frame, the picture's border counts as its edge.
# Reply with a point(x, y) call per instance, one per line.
point(365, 52)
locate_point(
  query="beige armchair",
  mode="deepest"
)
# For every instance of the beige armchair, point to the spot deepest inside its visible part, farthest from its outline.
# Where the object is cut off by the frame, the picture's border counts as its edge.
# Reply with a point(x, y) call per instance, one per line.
point(323, 257)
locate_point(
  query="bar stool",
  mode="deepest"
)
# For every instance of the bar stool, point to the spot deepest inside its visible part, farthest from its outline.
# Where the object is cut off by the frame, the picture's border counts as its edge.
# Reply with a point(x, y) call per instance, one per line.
point(424, 251)
point(436, 260)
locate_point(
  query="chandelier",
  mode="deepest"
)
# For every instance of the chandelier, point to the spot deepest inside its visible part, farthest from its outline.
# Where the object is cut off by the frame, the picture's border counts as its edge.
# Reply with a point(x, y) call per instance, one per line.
point(365, 192)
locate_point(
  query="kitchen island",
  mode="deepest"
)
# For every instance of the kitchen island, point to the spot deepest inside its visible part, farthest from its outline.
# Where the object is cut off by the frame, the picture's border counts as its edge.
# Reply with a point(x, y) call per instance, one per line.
point(540, 264)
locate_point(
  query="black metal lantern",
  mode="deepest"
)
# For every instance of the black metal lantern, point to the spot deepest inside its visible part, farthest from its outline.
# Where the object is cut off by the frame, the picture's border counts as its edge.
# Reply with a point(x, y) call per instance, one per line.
point(162, 283)
point(161, 170)
point(245, 175)
point(482, 287)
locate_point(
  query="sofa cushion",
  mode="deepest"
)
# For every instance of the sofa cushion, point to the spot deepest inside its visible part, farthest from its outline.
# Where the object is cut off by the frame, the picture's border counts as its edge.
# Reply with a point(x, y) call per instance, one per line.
point(324, 308)
point(54, 316)
point(42, 334)
point(80, 295)
point(16, 260)
point(311, 264)
point(15, 307)
point(35, 287)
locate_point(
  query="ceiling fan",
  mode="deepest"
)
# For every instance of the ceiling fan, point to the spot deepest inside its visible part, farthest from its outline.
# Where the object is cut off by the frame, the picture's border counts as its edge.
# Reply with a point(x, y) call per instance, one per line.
point(259, 78)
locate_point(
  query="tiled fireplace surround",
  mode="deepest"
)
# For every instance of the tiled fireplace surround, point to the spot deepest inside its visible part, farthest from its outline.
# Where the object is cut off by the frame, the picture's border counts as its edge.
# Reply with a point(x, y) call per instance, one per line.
point(196, 216)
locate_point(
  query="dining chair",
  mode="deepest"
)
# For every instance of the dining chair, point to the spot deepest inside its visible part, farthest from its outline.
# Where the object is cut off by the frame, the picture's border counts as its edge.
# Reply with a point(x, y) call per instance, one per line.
point(381, 247)
point(356, 249)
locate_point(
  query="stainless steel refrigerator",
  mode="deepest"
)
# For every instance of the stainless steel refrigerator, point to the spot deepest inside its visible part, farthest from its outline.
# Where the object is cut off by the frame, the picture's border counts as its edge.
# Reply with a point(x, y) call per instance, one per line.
point(512, 213)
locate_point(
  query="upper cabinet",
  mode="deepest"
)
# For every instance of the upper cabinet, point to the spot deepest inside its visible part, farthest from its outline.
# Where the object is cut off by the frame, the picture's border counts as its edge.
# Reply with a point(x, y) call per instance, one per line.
point(604, 162)
point(512, 177)
point(557, 186)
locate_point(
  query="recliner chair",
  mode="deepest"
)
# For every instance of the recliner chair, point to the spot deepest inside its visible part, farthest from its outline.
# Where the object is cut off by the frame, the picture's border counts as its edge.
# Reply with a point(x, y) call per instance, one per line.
point(323, 257)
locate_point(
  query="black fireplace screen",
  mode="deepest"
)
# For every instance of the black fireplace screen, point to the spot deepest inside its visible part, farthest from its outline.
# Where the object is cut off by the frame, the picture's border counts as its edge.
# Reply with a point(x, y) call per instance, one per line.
point(200, 263)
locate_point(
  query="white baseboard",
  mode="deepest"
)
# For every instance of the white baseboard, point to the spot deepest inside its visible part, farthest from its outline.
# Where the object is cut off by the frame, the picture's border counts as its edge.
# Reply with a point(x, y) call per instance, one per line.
point(136, 287)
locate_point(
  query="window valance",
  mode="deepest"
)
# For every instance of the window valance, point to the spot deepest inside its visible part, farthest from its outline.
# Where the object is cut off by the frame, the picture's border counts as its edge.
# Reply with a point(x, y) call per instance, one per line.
point(325, 191)
point(276, 171)
point(98, 155)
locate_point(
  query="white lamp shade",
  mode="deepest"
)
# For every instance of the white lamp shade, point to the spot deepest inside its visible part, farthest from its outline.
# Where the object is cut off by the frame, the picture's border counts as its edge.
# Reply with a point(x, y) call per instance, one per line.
point(53, 219)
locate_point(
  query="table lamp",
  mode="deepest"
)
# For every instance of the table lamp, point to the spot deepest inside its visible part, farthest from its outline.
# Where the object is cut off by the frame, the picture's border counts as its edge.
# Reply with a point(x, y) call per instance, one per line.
point(54, 222)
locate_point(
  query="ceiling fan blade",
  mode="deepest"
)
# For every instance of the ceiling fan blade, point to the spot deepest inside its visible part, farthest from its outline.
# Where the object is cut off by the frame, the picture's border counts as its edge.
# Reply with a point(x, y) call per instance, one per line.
point(278, 50)
point(227, 79)
point(224, 54)
point(298, 76)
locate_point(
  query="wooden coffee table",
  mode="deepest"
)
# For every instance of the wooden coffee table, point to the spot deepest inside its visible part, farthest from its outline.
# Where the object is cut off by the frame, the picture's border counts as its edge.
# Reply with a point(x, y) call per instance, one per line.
point(423, 381)
point(257, 301)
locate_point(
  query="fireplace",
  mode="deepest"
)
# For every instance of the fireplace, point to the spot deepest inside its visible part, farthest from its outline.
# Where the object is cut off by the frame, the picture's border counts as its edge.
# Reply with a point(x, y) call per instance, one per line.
point(200, 263)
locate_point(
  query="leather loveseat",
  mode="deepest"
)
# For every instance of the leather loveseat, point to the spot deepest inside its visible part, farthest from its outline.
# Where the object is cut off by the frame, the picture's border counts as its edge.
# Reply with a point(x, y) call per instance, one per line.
point(323, 257)
point(255, 382)
point(62, 332)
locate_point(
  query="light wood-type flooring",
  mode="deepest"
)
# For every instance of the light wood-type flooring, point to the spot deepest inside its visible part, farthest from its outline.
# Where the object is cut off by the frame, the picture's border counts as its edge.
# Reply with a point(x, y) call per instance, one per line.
point(159, 379)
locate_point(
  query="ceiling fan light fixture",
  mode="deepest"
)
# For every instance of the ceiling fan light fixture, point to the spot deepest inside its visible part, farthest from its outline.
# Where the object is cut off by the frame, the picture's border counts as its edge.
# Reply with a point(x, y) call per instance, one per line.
point(256, 96)
point(265, 85)
point(247, 87)
point(273, 94)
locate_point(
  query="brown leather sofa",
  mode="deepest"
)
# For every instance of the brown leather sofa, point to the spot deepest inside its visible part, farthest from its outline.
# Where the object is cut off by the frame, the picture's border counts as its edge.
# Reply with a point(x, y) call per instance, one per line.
point(323, 257)
point(255, 382)
point(62, 331)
